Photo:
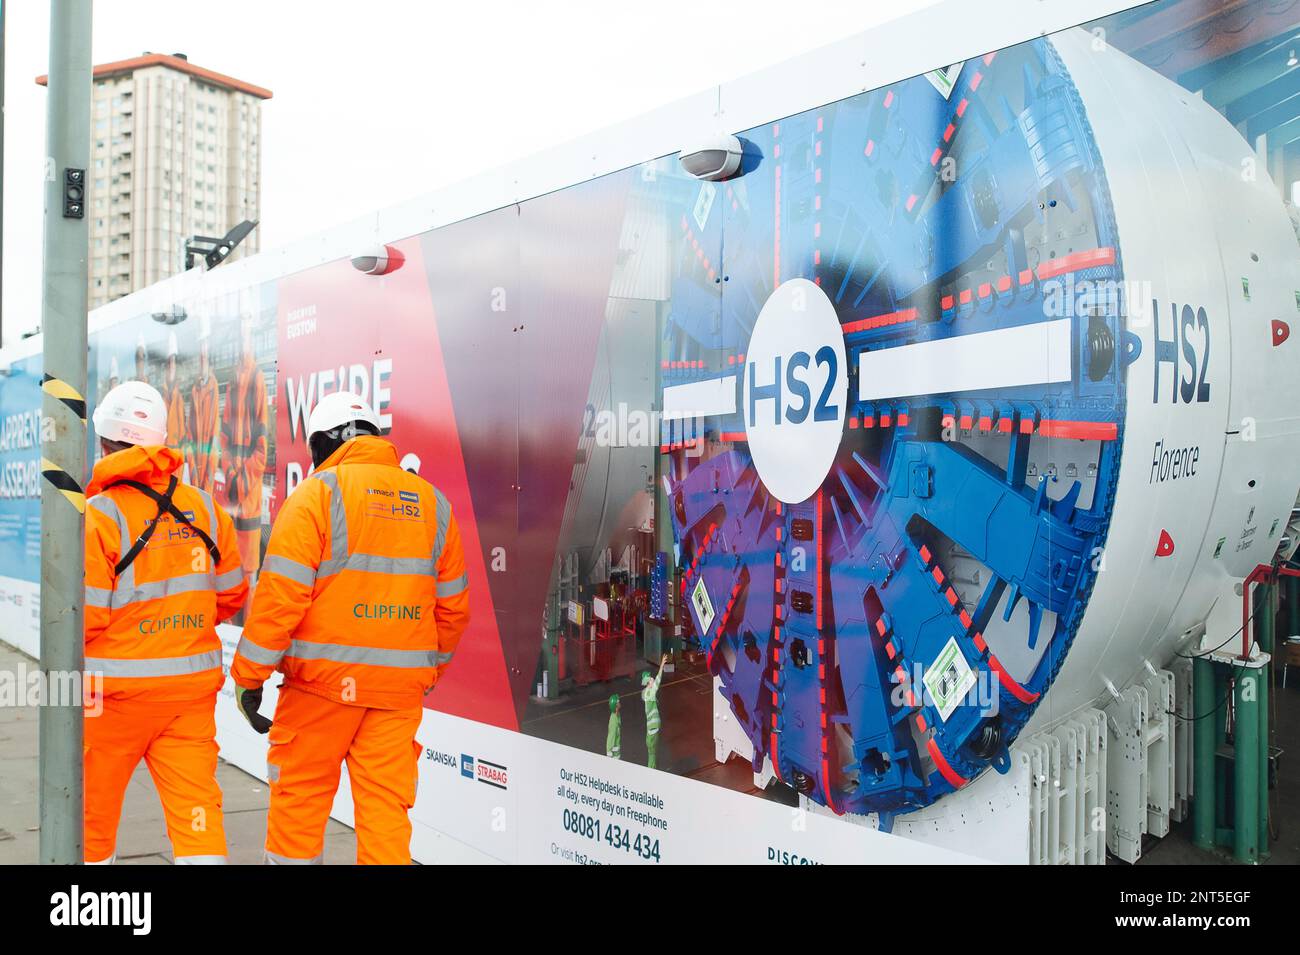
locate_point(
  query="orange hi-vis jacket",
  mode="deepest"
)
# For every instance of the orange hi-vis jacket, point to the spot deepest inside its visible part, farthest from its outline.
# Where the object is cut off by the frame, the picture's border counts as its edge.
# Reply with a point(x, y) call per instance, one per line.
point(175, 417)
point(151, 632)
point(363, 595)
point(244, 443)
point(201, 439)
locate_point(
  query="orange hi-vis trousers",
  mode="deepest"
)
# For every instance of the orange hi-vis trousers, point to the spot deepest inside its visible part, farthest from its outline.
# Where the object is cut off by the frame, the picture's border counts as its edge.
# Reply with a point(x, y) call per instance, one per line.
point(310, 739)
point(178, 741)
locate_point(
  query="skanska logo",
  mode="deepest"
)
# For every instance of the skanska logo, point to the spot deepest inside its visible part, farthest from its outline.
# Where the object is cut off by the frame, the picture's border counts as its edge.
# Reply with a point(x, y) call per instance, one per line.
point(75, 908)
point(439, 757)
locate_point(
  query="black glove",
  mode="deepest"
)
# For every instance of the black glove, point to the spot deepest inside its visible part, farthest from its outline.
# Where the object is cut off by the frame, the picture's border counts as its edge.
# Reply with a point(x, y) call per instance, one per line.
point(248, 702)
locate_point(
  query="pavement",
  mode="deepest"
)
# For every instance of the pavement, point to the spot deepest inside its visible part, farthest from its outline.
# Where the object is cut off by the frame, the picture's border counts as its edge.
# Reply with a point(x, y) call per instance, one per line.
point(142, 835)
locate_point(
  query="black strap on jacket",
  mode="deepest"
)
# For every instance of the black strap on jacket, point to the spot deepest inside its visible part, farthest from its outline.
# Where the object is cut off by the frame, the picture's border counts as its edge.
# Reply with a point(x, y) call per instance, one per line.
point(165, 505)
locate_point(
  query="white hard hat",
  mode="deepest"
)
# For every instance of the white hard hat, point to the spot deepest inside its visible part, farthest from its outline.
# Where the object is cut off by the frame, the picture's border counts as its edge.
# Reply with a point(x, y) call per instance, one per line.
point(133, 413)
point(338, 409)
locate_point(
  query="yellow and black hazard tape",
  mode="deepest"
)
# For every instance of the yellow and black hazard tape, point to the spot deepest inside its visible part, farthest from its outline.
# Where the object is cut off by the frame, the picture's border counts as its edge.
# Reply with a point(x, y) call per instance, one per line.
point(58, 388)
point(65, 483)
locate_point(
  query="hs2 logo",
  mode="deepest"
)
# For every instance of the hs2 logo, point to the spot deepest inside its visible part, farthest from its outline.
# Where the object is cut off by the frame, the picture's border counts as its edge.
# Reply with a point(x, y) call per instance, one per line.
point(1186, 351)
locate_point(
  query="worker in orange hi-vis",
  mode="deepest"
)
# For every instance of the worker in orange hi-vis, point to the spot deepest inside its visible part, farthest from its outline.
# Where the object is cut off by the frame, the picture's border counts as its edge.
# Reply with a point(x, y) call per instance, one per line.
point(243, 449)
point(141, 360)
point(361, 605)
point(201, 446)
point(114, 375)
point(162, 569)
point(174, 397)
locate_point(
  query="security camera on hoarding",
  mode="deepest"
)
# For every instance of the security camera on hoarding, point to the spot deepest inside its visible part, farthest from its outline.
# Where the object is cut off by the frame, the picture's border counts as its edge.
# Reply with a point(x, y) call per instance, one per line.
point(377, 260)
point(719, 158)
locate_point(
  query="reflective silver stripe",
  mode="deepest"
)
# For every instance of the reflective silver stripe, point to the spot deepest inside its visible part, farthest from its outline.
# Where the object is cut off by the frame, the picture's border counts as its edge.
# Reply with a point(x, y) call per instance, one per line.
point(258, 654)
point(376, 564)
point(272, 858)
point(107, 506)
point(99, 597)
point(370, 656)
point(199, 860)
point(329, 567)
point(230, 578)
point(444, 519)
point(215, 533)
point(184, 584)
point(338, 517)
point(157, 666)
point(289, 569)
point(442, 658)
point(212, 513)
point(450, 588)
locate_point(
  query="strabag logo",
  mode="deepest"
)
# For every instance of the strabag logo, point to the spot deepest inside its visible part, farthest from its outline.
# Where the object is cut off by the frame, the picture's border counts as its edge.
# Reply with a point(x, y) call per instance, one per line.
point(74, 907)
point(490, 774)
point(795, 390)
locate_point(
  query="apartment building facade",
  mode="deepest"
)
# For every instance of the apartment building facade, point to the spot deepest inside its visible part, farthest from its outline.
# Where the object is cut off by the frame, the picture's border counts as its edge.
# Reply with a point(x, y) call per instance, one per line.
point(175, 152)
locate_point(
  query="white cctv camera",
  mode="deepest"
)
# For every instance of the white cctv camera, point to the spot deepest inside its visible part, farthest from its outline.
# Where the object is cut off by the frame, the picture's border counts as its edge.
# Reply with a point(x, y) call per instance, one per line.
point(719, 158)
point(377, 260)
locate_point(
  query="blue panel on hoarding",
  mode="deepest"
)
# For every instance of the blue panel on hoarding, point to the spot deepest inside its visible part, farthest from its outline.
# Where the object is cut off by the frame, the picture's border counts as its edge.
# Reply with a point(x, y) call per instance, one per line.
point(20, 471)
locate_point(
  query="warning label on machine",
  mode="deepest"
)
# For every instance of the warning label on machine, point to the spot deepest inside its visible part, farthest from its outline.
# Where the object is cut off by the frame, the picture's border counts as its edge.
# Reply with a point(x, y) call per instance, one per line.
point(948, 679)
point(703, 606)
point(945, 80)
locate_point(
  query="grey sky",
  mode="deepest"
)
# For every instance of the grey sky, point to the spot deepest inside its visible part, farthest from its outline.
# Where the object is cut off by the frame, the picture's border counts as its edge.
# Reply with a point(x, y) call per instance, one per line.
point(377, 102)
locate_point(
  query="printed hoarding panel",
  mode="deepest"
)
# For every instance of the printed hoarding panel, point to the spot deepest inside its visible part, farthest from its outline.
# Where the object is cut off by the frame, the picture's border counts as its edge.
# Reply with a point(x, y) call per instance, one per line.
point(20, 503)
point(213, 359)
point(377, 336)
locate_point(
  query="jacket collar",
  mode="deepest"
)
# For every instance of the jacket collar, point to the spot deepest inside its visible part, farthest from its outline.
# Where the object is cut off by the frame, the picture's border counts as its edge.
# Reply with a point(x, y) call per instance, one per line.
point(366, 449)
point(148, 464)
